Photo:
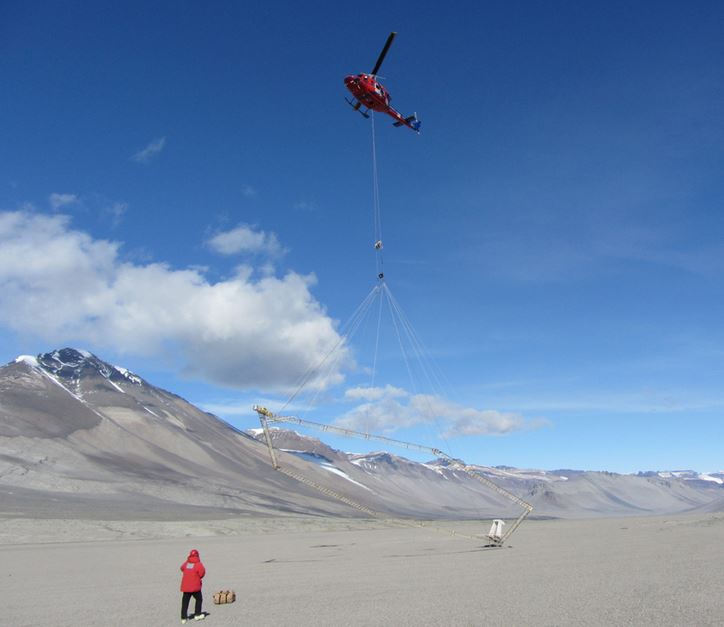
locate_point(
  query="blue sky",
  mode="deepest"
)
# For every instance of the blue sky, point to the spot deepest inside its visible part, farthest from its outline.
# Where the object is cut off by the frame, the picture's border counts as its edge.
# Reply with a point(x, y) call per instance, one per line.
point(184, 192)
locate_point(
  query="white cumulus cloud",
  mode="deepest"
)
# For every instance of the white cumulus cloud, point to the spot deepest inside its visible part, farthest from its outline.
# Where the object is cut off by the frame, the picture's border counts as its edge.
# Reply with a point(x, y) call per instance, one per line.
point(146, 154)
point(389, 409)
point(64, 286)
point(245, 239)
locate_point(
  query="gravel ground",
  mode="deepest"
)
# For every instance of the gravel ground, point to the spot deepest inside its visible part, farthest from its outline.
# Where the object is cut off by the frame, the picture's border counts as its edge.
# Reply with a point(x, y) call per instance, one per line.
point(627, 571)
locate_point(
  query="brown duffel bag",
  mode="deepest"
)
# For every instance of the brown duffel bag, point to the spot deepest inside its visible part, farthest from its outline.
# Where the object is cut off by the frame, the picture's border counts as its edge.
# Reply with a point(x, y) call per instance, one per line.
point(224, 596)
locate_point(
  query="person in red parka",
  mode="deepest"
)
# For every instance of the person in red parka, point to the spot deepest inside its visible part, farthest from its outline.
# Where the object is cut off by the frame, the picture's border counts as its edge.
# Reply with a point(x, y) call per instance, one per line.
point(193, 572)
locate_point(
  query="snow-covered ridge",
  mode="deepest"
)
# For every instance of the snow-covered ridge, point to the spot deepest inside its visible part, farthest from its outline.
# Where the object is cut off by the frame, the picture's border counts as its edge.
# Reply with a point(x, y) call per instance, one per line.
point(27, 359)
point(68, 363)
point(691, 475)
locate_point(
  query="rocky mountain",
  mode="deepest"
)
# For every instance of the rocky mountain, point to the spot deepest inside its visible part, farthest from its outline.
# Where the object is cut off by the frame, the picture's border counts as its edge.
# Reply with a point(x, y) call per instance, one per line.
point(82, 438)
point(79, 436)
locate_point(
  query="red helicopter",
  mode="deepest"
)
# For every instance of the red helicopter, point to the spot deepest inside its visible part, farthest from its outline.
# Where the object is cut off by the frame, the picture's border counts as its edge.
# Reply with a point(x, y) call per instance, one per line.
point(369, 93)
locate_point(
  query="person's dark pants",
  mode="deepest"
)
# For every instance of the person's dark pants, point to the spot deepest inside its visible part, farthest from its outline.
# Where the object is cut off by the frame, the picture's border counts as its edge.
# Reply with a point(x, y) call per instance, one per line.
point(185, 603)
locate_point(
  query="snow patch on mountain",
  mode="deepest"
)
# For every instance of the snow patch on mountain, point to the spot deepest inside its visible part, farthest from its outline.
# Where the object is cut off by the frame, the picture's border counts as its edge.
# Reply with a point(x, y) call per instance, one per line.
point(325, 464)
point(521, 474)
point(378, 458)
point(135, 379)
point(436, 468)
point(690, 475)
point(55, 380)
point(27, 359)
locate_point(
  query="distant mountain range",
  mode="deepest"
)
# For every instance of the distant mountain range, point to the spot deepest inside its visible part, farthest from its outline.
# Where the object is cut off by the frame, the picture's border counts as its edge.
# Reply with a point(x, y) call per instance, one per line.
point(556, 493)
point(82, 438)
point(372, 461)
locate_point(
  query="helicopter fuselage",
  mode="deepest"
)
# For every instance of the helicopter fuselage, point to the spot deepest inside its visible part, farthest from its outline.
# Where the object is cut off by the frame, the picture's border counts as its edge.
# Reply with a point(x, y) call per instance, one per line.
point(366, 89)
point(372, 95)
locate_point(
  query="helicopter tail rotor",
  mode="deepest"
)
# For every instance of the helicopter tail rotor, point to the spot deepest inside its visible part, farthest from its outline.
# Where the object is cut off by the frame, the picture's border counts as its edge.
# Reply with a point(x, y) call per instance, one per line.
point(410, 121)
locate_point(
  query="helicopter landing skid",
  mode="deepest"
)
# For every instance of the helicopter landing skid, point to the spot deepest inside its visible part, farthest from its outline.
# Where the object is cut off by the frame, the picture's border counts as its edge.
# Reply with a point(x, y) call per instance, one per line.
point(356, 106)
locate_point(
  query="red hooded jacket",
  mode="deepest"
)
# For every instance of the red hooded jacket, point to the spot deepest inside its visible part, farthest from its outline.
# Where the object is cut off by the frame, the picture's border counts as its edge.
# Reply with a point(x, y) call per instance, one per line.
point(193, 572)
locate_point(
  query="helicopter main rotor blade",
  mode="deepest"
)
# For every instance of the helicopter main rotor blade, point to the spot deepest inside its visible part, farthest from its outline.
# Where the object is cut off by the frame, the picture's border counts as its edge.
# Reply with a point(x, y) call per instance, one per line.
point(383, 54)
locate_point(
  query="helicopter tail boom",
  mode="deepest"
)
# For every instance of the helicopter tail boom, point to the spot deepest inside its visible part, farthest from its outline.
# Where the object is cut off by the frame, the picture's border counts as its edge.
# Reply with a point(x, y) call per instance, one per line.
point(410, 121)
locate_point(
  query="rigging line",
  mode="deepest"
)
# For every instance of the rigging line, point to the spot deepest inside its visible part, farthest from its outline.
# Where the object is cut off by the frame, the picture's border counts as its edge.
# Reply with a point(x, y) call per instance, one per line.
point(415, 345)
point(427, 367)
point(314, 369)
point(351, 327)
point(401, 343)
point(363, 315)
point(409, 333)
point(394, 314)
point(376, 207)
point(377, 341)
point(425, 357)
point(441, 380)
point(375, 184)
point(426, 363)
point(374, 357)
point(432, 371)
